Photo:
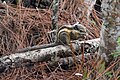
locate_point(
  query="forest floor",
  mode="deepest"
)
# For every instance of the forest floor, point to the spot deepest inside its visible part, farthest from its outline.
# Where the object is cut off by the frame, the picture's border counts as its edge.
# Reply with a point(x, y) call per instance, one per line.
point(21, 27)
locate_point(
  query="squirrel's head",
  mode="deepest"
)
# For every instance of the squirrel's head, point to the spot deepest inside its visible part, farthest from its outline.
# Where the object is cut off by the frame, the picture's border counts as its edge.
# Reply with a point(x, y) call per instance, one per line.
point(81, 29)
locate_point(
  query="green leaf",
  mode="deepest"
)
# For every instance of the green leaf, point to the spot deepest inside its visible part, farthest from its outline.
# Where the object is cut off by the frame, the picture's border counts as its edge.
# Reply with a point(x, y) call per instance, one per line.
point(116, 54)
point(118, 41)
point(109, 74)
point(101, 67)
point(84, 75)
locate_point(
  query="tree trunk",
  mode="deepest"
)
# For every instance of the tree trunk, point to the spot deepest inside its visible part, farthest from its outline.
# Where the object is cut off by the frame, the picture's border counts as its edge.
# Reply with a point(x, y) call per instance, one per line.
point(110, 32)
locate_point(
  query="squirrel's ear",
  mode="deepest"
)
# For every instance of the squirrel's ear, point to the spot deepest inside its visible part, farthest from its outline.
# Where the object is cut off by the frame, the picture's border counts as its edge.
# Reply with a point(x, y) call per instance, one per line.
point(75, 24)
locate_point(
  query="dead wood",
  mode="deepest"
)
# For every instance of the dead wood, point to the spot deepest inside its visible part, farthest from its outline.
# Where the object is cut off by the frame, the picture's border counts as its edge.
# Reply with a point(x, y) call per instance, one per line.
point(41, 55)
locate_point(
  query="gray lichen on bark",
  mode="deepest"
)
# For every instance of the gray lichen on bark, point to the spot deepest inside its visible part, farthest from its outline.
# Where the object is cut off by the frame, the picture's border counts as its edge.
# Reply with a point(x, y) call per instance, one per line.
point(110, 31)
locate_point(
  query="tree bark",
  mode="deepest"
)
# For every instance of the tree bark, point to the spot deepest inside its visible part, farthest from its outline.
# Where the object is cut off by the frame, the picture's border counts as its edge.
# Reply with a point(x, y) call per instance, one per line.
point(110, 32)
point(55, 10)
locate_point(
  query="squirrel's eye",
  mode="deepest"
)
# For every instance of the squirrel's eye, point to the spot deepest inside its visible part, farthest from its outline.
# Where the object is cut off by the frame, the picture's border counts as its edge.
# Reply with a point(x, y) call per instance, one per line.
point(76, 27)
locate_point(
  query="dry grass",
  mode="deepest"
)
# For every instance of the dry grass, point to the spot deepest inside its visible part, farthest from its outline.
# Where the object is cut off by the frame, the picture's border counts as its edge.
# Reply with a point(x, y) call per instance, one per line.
point(21, 27)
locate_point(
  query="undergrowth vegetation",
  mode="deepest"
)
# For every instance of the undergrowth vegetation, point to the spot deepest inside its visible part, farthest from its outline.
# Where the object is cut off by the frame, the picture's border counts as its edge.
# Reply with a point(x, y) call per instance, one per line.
point(21, 27)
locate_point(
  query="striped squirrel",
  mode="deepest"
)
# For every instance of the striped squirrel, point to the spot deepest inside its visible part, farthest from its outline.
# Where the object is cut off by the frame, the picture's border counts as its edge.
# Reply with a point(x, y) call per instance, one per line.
point(65, 34)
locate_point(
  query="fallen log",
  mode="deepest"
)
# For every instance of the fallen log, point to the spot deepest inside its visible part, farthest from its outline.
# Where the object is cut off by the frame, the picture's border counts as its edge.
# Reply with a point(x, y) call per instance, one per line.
point(17, 59)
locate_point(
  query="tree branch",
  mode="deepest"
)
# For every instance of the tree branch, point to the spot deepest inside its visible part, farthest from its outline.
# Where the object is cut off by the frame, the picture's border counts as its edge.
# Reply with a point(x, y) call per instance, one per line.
point(41, 55)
